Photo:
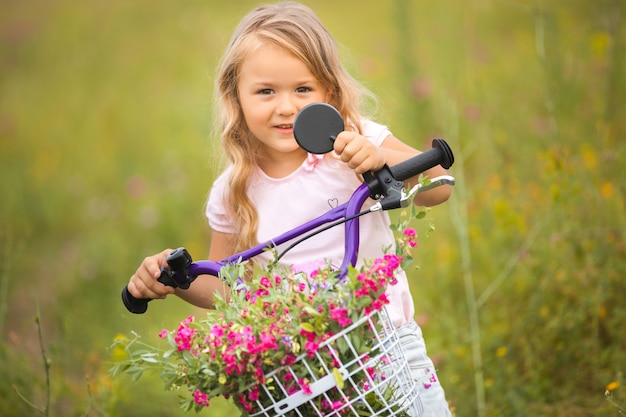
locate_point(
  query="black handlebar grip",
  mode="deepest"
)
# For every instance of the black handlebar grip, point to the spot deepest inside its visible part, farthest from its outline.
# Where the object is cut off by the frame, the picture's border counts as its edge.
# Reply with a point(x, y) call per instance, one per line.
point(439, 154)
point(134, 305)
point(178, 261)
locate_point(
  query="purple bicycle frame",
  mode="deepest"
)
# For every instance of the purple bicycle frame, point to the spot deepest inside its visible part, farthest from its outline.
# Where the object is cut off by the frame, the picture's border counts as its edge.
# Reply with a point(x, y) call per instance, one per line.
point(387, 182)
point(352, 207)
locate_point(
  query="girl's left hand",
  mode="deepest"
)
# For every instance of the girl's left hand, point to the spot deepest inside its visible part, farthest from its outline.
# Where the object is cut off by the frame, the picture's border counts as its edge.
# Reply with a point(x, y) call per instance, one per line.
point(359, 153)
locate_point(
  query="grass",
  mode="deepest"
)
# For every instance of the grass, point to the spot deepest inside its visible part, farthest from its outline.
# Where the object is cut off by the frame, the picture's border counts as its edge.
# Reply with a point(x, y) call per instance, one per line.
point(107, 155)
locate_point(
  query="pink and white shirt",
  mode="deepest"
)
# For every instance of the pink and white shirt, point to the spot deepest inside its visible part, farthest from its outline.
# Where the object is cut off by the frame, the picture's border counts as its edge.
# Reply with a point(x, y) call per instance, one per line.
point(319, 184)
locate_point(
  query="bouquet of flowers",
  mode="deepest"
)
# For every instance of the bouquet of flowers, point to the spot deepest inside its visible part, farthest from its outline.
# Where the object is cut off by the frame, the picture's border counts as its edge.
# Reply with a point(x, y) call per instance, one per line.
point(290, 344)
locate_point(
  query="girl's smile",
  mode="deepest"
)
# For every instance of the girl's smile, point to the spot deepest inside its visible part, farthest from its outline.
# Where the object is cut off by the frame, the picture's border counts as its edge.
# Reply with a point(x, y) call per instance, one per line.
point(273, 86)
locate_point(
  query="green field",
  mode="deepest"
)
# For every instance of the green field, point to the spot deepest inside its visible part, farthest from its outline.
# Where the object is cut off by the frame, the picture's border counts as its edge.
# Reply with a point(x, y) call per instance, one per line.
point(107, 155)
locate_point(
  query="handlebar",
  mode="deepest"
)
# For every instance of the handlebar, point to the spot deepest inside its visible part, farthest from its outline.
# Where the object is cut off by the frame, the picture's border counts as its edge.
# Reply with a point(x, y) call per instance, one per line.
point(386, 185)
point(176, 276)
point(388, 182)
point(439, 154)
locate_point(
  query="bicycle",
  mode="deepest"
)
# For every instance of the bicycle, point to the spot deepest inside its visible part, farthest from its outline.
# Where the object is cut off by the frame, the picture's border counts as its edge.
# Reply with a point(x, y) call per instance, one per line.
point(315, 129)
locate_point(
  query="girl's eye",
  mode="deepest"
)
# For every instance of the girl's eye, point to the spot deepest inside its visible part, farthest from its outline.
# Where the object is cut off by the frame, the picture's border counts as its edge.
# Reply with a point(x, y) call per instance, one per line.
point(265, 91)
point(303, 90)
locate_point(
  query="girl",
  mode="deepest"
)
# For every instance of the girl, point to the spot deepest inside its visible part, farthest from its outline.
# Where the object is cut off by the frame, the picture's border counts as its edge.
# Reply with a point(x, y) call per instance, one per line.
point(280, 59)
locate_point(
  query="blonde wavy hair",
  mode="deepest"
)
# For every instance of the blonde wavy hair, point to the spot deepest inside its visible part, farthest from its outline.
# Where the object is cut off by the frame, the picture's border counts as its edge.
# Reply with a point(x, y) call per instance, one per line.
point(296, 29)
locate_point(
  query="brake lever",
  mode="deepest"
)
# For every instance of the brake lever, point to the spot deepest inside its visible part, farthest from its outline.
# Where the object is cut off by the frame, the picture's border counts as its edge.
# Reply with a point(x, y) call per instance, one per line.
point(406, 198)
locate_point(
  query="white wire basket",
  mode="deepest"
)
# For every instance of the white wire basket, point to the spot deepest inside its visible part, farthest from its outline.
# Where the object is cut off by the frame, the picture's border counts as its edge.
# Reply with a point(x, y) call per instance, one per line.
point(345, 378)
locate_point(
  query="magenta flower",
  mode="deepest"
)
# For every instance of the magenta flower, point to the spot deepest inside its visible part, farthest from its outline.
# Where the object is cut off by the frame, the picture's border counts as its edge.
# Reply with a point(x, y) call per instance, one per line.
point(217, 331)
point(265, 282)
point(288, 360)
point(309, 335)
point(201, 398)
point(268, 341)
point(337, 405)
point(184, 334)
point(340, 315)
point(306, 386)
point(311, 347)
point(244, 403)
point(410, 234)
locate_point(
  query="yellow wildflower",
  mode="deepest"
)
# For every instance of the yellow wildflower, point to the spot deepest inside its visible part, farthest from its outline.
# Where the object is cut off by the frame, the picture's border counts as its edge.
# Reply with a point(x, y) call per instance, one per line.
point(606, 190)
point(612, 386)
point(119, 350)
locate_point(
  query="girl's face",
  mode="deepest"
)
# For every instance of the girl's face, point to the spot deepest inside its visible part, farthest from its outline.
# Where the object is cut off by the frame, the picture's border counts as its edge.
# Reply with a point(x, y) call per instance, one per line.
point(273, 87)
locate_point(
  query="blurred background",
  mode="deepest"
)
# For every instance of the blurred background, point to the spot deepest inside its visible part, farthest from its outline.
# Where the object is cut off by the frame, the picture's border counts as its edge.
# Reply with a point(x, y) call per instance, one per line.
point(107, 155)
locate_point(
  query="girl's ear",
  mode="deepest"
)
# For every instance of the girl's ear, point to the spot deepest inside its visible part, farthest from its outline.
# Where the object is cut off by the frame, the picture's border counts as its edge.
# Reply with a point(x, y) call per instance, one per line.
point(329, 94)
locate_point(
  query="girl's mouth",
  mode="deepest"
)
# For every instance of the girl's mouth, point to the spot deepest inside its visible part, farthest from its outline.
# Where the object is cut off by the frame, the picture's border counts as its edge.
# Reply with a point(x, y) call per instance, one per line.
point(284, 129)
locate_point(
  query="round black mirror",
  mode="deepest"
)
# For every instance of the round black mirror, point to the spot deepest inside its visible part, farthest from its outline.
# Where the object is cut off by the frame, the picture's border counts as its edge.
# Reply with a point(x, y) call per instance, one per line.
point(316, 126)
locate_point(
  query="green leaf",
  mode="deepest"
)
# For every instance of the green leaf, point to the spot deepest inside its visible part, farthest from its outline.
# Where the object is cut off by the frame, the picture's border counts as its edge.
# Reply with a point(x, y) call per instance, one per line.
point(149, 357)
point(307, 327)
point(310, 310)
point(186, 404)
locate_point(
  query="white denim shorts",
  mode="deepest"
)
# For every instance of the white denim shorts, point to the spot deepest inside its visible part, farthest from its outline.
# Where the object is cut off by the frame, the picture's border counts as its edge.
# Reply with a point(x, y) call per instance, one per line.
point(431, 392)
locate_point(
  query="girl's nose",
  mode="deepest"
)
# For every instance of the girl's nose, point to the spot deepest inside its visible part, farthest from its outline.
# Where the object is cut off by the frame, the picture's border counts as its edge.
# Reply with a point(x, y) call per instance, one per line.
point(286, 105)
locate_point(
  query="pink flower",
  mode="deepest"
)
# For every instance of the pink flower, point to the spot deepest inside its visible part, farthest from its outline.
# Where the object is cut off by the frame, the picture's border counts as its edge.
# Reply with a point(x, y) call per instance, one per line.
point(340, 315)
point(260, 293)
point(410, 234)
point(268, 341)
point(260, 376)
point(306, 386)
point(184, 334)
point(265, 282)
point(201, 398)
point(337, 405)
point(253, 395)
point(386, 266)
point(244, 403)
point(288, 360)
point(309, 335)
point(217, 331)
point(163, 334)
point(311, 347)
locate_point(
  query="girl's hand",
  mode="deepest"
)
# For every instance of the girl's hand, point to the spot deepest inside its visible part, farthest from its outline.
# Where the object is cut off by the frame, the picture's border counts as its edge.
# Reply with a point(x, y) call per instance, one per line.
point(144, 284)
point(359, 153)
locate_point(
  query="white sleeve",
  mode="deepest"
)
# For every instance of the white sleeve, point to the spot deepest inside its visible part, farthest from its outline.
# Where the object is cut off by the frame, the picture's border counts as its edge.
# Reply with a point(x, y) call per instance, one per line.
point(375, 132)
point(217, 212)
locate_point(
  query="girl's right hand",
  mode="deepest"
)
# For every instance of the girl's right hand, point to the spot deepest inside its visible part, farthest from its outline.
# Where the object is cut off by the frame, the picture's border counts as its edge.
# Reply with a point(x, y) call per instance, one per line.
point(358, 152)
point(143, 283)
